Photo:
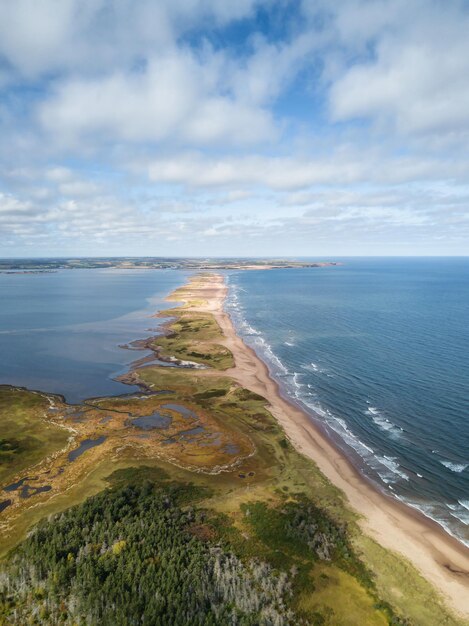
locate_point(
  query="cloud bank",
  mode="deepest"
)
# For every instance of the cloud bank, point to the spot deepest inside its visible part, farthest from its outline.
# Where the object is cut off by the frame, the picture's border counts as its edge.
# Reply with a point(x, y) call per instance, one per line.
point(255, 127)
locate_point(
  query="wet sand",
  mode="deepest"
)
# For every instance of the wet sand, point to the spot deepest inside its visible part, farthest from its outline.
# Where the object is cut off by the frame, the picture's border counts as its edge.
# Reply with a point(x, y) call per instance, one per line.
point(441, 559)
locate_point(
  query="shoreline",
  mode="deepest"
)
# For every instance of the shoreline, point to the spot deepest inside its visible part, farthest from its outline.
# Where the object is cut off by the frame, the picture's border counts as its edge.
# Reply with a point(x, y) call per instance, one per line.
point(439, 557)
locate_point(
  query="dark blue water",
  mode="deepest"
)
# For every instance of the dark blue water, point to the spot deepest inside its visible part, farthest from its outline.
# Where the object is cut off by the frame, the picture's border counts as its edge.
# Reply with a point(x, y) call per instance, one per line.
point(61, 332)
point(378, 350)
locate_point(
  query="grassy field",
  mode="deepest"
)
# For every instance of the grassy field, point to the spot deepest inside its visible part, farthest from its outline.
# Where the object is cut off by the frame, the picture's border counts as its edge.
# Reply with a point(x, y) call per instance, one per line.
point(193, 337)
point(26, 436)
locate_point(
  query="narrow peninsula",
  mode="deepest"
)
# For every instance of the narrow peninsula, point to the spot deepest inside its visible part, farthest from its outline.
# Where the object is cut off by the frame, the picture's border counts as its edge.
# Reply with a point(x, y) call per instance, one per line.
point(205, 498)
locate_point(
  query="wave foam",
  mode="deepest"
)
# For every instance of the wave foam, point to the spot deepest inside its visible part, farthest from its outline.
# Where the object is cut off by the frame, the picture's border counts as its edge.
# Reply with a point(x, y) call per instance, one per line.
point(383, 423)
point(268, 353)
point(460, 512)
point(455, 467)
point(444, 515)
point(391, 464)
point(387, 468)
point(254, 337)
point(315, 368)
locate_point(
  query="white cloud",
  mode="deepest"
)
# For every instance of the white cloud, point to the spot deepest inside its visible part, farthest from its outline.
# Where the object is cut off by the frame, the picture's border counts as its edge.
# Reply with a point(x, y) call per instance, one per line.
point(340, 217)
point(11, 206)
point(177, 97)
point(79, 188)
point(346, 166)
point(59, 174)
point(416, 78)
point(271, 68)
point(274, 172)
point(139, 121)
point(32, 33)
point(92, 35)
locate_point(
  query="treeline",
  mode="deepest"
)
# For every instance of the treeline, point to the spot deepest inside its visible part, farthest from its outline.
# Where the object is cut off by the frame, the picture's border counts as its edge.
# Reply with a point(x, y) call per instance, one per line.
point(138, 555)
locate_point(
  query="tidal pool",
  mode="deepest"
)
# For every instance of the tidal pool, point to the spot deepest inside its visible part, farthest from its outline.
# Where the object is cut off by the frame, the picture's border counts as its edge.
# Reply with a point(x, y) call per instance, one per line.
point(4, 504)
point(19, 483)
point(231, 448)
point(182, 410)
point(155, 420)
point(27, 490)
point(191, 432)
point(85, 445)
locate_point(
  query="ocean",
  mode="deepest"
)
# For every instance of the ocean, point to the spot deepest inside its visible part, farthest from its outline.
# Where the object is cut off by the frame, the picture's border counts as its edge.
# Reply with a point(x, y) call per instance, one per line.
point(61, 332)
point(377, 351)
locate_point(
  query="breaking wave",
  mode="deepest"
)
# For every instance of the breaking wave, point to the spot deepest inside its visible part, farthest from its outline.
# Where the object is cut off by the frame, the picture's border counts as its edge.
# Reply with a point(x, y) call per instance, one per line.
point(383, 422)
point(455, 467)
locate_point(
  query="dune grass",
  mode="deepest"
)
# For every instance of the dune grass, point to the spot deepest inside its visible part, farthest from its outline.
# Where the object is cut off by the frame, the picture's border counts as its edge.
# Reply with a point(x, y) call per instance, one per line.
point(193, 337)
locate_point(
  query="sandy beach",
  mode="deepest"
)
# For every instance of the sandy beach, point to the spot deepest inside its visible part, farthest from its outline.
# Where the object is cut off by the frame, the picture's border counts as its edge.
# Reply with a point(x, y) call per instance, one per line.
point(439, 557)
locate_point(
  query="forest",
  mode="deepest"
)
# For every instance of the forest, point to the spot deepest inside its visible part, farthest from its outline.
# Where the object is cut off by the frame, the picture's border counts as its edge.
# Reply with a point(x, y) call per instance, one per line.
point(147, 553)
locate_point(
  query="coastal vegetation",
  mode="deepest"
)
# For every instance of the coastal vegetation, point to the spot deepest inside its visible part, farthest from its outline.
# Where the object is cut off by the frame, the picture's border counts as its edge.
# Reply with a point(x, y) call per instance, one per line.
point(151, 549)
point(26, 435)
point(151, 555)
point(193, 337)
point(186, 504)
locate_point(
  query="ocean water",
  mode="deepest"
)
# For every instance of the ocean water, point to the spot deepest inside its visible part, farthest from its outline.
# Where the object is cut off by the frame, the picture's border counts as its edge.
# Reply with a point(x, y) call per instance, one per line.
point(376, 350)
point(61, 332)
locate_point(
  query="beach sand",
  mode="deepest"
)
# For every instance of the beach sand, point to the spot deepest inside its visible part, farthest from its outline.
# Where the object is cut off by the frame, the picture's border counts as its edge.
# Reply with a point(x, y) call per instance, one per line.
point(440, 558)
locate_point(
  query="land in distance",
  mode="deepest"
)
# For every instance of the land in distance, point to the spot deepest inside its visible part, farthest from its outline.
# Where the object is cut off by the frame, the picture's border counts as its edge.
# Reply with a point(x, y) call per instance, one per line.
point(51, 264)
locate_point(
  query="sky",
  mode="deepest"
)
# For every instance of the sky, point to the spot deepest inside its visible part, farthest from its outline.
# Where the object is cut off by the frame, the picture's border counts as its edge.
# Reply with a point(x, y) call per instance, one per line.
point(221, 128)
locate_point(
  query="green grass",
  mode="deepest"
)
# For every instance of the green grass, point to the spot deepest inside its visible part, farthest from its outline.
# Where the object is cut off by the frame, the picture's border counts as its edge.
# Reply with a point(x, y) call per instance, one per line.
point(277, 467)
point(252, 514)
point(26, 437)
point(340, 600)
point(399, 584)
point(193, 337)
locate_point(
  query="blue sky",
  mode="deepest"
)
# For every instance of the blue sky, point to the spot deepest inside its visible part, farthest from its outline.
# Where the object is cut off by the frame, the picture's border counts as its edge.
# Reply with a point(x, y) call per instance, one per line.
point(208, 127)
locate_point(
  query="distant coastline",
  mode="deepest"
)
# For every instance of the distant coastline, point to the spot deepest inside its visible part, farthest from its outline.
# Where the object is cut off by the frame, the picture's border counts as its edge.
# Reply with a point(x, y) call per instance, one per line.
point(37, 266)
point(27, 272)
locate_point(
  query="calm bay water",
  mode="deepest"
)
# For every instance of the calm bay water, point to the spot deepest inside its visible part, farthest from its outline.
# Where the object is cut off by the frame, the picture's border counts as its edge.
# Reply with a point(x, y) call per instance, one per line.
point(378, 351)
point(61, 332)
